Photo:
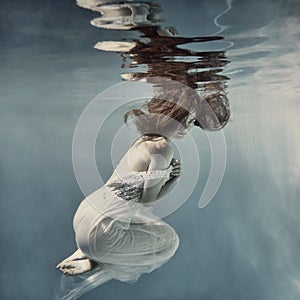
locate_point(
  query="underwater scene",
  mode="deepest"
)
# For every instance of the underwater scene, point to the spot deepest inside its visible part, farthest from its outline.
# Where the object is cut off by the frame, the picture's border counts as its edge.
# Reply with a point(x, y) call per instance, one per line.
point(71, 70)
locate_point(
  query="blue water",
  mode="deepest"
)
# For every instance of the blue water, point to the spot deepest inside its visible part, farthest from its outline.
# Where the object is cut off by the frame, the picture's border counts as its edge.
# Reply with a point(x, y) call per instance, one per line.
point(245, 243)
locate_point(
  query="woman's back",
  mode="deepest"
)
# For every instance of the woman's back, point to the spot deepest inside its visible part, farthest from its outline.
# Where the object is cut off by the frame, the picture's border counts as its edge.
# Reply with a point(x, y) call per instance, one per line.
point(139, 156)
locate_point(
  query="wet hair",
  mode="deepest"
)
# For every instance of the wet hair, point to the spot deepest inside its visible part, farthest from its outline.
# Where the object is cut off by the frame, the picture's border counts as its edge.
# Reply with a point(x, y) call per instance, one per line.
point(169, 110)
point(214, 113)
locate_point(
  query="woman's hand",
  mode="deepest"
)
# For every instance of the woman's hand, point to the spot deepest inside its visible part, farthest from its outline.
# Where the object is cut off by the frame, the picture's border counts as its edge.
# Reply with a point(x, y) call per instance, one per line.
point(176, 168)
point(174, 176)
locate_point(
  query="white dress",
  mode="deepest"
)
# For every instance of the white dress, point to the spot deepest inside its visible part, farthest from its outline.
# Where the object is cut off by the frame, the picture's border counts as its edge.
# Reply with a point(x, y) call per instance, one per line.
point(113, 228)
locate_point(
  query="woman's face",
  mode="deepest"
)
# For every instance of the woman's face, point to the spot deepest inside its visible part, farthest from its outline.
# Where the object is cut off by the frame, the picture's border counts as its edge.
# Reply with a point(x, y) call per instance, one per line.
point(182, 131)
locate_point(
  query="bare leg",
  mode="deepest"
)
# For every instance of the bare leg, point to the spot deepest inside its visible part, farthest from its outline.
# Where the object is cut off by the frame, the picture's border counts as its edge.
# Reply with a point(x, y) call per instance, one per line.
point(77, 263)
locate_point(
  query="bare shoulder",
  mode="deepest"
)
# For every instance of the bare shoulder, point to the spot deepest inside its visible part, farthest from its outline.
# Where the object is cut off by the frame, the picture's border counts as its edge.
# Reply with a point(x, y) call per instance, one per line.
point(159, 146)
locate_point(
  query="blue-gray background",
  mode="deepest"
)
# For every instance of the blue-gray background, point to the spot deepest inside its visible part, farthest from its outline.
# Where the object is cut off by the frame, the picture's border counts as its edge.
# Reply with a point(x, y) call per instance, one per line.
point(245, 244)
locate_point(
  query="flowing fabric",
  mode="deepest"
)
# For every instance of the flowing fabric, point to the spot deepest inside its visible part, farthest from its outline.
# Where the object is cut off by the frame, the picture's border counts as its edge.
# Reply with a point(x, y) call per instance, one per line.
point(114, 229)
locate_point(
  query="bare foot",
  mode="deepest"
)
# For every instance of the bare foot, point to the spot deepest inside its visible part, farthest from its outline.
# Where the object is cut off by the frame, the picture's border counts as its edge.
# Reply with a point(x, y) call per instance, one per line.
point(77, 255)
point(76, 267)
point(78, 263)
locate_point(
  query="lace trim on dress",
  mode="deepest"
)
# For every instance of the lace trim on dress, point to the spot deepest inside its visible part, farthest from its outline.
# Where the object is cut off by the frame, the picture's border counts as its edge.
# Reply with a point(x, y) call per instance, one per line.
point(154, 174)
point(129, 186)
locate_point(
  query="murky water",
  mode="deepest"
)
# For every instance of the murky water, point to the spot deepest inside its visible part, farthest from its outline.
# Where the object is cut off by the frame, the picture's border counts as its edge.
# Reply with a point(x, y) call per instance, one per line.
point(245, 243)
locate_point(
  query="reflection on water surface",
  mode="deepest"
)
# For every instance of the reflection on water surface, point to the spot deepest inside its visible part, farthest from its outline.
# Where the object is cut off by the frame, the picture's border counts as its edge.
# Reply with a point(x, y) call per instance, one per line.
point(156, 52)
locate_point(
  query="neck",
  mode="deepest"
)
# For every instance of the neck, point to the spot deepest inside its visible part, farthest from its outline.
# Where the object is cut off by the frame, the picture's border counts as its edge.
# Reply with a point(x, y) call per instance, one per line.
point(154, 135)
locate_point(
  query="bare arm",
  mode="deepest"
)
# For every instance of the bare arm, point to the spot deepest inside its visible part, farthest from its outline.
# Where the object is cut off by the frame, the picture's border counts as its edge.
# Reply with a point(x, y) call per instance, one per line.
point(175, 174)
point(160, 159)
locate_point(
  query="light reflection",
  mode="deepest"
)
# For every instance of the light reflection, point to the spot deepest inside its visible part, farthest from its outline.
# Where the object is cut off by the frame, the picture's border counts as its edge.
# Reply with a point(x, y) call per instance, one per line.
point(159, 52)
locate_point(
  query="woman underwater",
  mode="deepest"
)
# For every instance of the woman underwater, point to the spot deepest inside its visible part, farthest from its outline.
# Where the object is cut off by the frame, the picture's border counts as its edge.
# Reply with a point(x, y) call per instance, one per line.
point(117, 235)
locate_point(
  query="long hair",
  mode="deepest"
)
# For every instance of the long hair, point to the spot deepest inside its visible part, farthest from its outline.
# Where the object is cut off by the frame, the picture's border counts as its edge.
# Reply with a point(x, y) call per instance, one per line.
point(169, 110)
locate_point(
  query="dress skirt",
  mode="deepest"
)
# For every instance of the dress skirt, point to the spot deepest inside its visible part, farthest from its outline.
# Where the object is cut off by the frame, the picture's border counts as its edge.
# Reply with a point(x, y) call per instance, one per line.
point(123, 236)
